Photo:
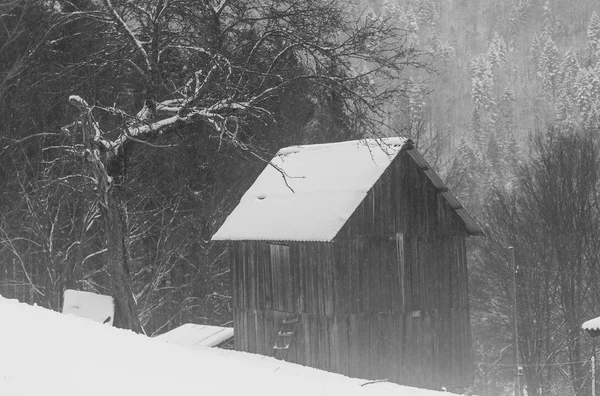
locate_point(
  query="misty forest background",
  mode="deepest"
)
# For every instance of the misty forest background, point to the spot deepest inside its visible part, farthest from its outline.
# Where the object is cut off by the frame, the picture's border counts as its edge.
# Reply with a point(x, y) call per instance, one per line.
point(509, 117)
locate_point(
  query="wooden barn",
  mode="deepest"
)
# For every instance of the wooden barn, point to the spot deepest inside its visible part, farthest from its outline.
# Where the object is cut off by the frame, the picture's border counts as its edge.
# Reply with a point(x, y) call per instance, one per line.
point(350, 257)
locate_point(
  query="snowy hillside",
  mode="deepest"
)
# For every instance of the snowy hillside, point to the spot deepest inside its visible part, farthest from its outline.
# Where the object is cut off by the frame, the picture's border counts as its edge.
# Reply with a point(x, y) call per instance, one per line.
point(47, 353)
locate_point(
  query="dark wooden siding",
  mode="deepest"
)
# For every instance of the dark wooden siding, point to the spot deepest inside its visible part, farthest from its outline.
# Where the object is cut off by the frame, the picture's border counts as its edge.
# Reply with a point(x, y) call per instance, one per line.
point(410, 348)
point(306, 285)
point(388, 298)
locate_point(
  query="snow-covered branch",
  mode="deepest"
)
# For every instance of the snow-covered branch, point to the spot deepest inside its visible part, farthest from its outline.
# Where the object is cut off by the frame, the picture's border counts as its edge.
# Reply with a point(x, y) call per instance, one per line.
point(137, 43)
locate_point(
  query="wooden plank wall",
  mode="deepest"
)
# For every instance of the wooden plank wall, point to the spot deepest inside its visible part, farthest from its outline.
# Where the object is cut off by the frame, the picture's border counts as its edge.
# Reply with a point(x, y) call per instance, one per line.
point(406, 348)
point(263, 277)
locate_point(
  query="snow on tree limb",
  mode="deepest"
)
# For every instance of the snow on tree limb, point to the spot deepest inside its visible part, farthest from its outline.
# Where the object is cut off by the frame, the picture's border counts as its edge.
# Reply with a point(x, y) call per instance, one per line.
point(138, 45)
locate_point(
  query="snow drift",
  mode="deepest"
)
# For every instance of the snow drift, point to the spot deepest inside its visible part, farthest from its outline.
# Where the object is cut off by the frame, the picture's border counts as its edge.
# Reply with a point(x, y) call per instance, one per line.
point(43, 352)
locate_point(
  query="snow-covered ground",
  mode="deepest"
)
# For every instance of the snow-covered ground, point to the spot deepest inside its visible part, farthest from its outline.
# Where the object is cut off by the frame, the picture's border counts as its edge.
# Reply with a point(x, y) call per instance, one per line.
point(43, 352)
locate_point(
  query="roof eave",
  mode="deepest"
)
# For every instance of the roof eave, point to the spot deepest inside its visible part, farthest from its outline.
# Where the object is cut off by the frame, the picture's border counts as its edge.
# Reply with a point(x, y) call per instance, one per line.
point(470, 224)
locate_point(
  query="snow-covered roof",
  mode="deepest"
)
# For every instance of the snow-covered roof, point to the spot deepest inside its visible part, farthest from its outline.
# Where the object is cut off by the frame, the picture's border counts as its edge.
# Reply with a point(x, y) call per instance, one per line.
point(592, 325)
point(325, 184)
point(46, 353)
point(308, 193)
point(97, 307)
point(195, 335)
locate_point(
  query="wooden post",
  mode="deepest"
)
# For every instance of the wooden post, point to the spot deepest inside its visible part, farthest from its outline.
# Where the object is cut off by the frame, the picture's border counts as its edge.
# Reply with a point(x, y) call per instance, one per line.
point(516, 333)
point(593, 367)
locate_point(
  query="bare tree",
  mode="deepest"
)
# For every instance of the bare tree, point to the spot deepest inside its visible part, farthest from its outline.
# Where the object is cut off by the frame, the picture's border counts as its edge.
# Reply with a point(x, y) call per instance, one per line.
point(219, 68)
point(550, 218)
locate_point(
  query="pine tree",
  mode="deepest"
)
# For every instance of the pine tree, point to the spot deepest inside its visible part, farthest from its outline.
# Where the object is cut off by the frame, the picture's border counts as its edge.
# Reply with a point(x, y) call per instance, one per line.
point(535, 51)
point(593, 31)
point(548, 19)
point(584, 93)
point(567, 74)
point(497, 51)
point(518, 16)
point(412, 27)
point(548, 68)
point(592, 51)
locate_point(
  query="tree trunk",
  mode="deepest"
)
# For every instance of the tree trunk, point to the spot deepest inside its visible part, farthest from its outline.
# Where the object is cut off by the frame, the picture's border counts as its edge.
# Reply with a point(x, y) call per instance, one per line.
point(116, 228)
point(110, 169)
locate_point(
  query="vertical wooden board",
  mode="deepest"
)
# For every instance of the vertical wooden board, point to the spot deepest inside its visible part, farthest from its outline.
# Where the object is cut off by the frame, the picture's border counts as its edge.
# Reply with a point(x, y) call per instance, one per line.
point(245, 330)
point(233, 267)
point(355, 276)
point(374, 271)
point(390, 254)
point(411, 209)
point(403, 188)
point(236, 329)
point(395, 195)
point(383, 342)
point(440, 339)
point(319, 276)
point(330, 281)
point(288, 290)
point(433, 339)
point(267, 332)
point(413, 264)
point(373, 345)
point(242, 275)
point(251, 281)
point(275, 318)
point(354, 349)
point(278, 280)
point(259, 278)
point(268, 280)
point(457, 258)
point(299, 341)
point(386, 275)
point(310, 281)
point(449, 259)
point(333, 341)
point(315, 341)
point(464, 288)
point(389, 228)
point(273, 269)
point(259, 325)
point(396, 335)
point(418, 351)
point(446, 345)
point(342, 343)
point(308, 340)
point(303, 280)
point(295, 277)
point(315, 280)
point(365, 263)
point(427, 349)
point(342, 286)
point(452, 347)
point(324, 345)
point(363, 340)
point(421, 263)
point(363, 219)
point(424, 249)
point(407, 243)
point(378, 209)
point(401, 272)
point(251, 326)
point(446, 279)
point(468, 367)
point(408, 362)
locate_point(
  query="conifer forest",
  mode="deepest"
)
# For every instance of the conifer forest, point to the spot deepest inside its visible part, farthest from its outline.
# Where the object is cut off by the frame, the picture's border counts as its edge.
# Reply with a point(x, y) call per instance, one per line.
point(130, 129)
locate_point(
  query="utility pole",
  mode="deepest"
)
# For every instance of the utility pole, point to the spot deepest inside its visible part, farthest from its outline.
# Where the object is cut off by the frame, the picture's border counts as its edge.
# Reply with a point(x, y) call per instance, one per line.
point(515, 330)
point(593, 367)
